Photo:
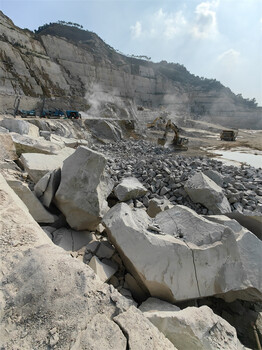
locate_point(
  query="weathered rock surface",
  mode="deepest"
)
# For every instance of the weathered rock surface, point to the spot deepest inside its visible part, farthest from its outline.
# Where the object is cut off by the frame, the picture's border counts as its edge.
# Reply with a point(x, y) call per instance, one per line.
point(51, 300)
point(47, 186)
point(90, 338)
point(35, 207)
point(71, 240)
point(141, 335)
point(37, 165)
point(29, 144)
point(104, 270)
point(201, 189)
point(83, 189)
point(21, 127)
point(154, 305)
point(7, 149)
point(213, 259)
point(251, 220)
point(195, 328)
point(103, 129)
point(215, 176)
point(156, 205)
point(129, 188)
point(3, 130)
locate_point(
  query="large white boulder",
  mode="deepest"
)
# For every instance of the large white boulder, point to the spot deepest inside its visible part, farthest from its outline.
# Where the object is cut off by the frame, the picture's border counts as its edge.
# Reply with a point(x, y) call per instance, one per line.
point(194, 328)
point(21, 127)
point(37, 164)
point(201, 189)
point(29, 144)
point(35, 207)
point(83, 189)
point(129, 188)
point(103, 129)
point(186, 256)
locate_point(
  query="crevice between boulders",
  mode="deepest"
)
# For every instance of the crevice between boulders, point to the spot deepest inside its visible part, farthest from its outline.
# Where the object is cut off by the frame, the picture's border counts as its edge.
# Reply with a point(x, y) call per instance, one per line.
point(125, 333)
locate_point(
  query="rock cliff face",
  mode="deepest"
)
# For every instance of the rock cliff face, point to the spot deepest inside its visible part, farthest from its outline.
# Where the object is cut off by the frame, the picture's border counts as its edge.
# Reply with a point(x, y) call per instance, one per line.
point(73, 68)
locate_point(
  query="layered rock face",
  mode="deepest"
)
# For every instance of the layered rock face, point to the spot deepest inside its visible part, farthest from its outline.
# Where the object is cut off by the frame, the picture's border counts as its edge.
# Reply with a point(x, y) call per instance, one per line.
point(84, 72)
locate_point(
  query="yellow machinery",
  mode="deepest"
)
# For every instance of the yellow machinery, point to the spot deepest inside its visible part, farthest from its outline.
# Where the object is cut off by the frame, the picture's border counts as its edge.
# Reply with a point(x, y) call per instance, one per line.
point(228, 135)
point(158, 123)
point(177, 142)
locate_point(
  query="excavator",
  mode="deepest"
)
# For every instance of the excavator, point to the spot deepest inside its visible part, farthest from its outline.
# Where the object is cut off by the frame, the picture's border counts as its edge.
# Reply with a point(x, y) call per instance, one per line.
point(177, 142)
point(158, 123)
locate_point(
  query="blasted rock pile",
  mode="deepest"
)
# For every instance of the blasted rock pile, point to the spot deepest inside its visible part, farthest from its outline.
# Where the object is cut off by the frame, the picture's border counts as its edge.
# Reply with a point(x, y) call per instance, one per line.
point(164, 173)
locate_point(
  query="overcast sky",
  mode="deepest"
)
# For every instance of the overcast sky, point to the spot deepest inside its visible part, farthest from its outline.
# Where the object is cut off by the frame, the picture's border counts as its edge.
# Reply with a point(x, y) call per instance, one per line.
point(219, 39)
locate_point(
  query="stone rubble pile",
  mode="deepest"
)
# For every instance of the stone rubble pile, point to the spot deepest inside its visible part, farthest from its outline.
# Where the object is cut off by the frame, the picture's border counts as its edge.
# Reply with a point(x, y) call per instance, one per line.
point(164, 173)
point(143, 219)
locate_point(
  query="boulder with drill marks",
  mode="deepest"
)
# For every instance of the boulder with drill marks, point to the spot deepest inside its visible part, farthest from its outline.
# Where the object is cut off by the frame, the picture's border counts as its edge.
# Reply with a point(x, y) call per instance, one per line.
point(186, 256)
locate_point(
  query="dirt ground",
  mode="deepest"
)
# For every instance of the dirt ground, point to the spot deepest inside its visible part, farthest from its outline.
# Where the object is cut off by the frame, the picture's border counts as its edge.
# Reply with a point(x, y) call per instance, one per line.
point(205, 138)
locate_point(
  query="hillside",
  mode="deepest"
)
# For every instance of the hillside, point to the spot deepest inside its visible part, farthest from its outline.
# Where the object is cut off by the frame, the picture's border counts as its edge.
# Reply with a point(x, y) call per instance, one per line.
point(74, 68)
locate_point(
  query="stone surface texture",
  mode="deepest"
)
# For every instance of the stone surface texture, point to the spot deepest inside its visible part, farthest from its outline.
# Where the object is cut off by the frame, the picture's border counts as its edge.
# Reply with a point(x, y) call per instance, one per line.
point(45, 189)
point(201, 189)
point(21, 127)
point(37, 165)
point(141, 335)
point(37, 144)
point(49, 299)
point(213, 259)
point(195, 328)
point(83, 189)
point(129, 188)
point(35, 207)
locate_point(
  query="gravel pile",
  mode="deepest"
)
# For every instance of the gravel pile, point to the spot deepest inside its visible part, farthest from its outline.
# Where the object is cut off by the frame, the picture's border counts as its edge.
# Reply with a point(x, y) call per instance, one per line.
point(164, 173)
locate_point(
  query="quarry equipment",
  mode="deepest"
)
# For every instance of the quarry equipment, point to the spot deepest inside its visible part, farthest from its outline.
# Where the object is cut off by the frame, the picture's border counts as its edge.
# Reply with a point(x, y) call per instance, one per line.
point(228, 135)
point(16, 105)
point(177, 142)
point(159, 122)
point(73, 115)
point(52, 114)
point(25, 114)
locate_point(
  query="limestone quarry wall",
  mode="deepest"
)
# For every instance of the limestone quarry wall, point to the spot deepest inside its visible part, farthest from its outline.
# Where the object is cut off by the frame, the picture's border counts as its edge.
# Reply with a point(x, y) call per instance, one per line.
point(35, 66)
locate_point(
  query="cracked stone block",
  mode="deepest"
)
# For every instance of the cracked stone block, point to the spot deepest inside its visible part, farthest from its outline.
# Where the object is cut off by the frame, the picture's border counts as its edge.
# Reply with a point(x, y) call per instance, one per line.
point(105, 270)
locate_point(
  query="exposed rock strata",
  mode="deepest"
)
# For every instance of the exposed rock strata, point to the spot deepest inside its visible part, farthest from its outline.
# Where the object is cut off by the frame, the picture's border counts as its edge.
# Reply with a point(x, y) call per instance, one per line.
point(68, 67)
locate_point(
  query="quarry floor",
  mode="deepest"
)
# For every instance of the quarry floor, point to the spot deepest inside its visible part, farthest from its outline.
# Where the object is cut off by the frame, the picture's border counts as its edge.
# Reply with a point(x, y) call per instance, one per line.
point(203, 138)
point(203, 142)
